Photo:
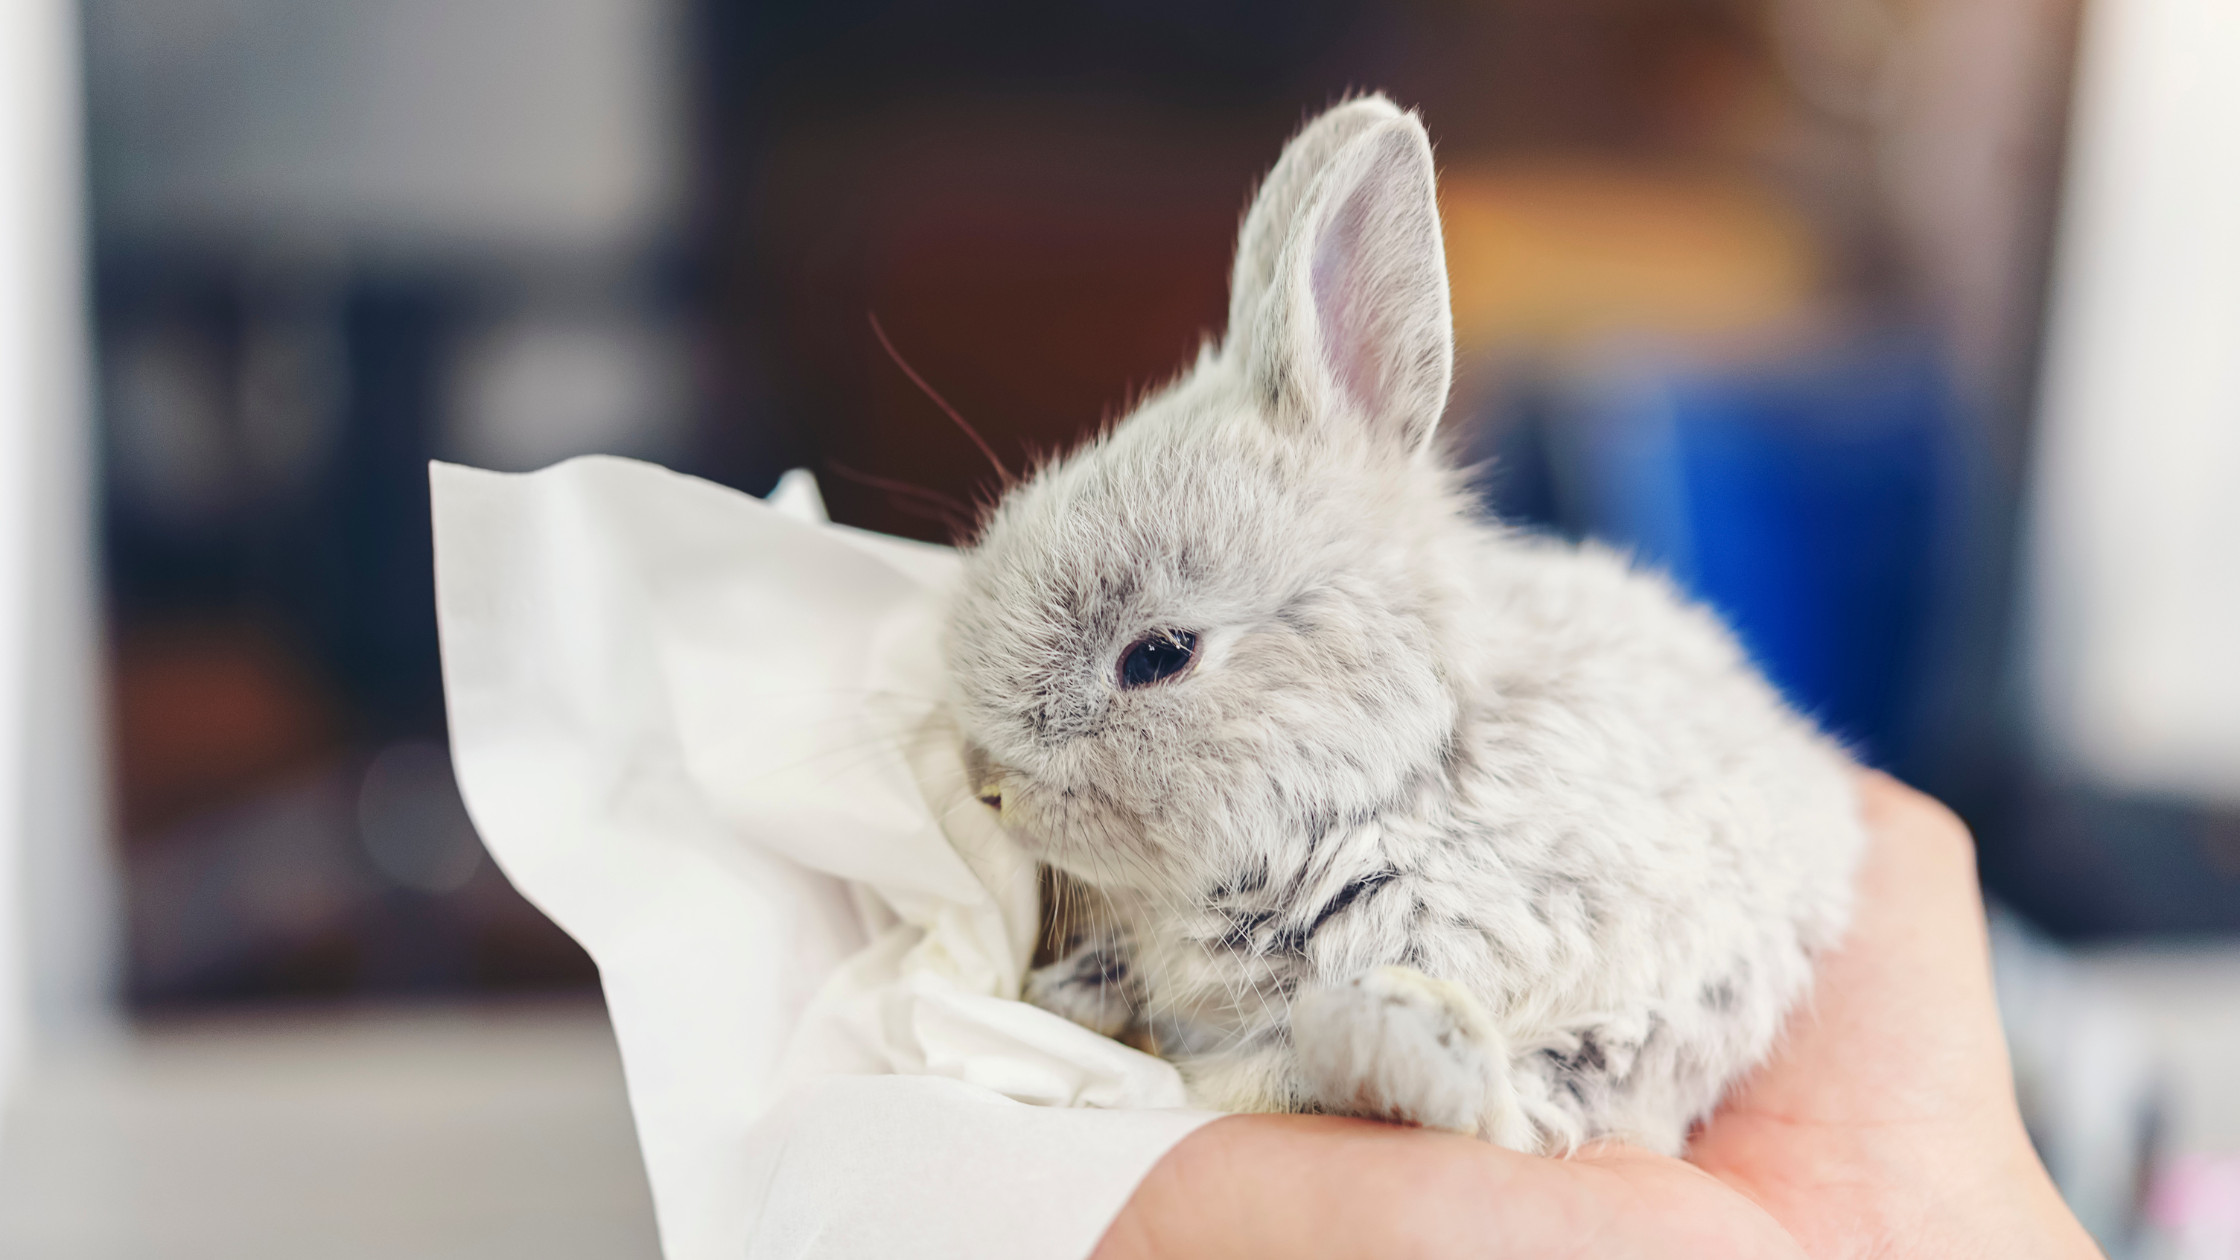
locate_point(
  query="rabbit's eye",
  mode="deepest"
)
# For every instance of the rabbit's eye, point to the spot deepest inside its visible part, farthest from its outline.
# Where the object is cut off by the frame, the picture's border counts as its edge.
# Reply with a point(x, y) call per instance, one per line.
point(1157, 656)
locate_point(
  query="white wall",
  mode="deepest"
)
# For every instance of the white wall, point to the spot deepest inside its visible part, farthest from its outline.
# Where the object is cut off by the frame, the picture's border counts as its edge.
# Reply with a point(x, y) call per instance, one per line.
point(390, 124)
point(55, 920)
point(2135, 565)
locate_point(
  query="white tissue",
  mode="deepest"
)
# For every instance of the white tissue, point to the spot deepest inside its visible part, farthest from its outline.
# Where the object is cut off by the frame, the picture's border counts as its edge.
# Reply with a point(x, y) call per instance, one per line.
point(704, 734)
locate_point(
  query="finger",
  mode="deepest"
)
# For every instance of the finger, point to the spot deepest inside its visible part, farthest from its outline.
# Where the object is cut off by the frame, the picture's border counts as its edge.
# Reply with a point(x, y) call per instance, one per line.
point(1901, 1023)
point(1325, 1188)
point(1887, 1111)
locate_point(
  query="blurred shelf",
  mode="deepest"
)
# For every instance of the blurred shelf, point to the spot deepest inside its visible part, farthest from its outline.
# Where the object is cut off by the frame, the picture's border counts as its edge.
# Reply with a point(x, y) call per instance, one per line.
point(448, 1133)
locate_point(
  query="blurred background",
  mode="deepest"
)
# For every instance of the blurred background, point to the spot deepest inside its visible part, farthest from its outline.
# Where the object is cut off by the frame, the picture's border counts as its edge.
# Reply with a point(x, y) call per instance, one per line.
point(1904, 332)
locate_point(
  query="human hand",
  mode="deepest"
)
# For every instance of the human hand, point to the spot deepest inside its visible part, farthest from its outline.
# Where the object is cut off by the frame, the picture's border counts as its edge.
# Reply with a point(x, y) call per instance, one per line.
point(1325, 1188)
point(1885, 1124)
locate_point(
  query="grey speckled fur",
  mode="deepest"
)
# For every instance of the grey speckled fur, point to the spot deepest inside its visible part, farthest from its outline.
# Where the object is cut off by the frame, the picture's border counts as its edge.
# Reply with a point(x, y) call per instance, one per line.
point(1442, 824)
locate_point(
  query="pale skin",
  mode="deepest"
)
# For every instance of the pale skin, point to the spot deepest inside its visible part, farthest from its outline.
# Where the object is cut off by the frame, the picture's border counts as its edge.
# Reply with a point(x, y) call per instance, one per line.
point(1884, 1126)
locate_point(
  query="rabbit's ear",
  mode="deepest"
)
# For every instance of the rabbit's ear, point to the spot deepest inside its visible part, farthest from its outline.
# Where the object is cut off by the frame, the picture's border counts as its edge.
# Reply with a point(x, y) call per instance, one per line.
point(1267, 225)
point(1356, 327)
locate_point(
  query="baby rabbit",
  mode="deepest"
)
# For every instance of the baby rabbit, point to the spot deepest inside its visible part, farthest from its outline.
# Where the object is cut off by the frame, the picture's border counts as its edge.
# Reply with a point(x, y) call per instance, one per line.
point(1379, 809)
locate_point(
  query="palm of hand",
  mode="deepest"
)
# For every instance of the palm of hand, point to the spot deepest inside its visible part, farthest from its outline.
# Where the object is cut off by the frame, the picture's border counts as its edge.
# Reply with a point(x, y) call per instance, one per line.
point(1884, 1125)
point(1886, 1122)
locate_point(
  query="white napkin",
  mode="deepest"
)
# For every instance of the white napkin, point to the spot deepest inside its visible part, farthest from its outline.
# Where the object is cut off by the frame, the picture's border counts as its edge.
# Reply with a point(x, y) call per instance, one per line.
point(704, 733)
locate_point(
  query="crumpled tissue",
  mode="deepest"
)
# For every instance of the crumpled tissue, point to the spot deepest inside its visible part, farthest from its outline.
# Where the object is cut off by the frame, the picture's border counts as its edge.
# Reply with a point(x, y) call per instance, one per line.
point(705, 734)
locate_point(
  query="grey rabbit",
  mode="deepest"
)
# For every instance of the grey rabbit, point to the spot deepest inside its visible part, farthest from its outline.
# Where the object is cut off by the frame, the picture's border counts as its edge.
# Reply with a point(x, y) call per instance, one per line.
point(1376, 807)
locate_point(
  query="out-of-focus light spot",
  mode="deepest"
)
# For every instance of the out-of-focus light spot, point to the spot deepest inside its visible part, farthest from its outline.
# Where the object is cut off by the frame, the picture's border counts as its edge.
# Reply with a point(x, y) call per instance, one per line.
point(168, 427)
point(2133, 517)
point(294, 377)
point(410, 818)
point(1562, 253)
point(533, 391)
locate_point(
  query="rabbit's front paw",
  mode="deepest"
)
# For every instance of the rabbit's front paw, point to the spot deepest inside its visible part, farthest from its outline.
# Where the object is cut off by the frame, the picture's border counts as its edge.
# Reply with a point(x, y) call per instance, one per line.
point(1394, 1044)
point(1094, 986)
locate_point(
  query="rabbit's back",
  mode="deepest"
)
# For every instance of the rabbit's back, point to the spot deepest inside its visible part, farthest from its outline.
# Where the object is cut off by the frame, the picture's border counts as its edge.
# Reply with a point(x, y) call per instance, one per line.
point(1642, 850)
point(1627, 860)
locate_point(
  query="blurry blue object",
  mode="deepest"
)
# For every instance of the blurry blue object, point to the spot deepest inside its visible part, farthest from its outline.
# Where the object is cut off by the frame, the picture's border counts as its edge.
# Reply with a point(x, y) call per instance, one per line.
point(1809, 501)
